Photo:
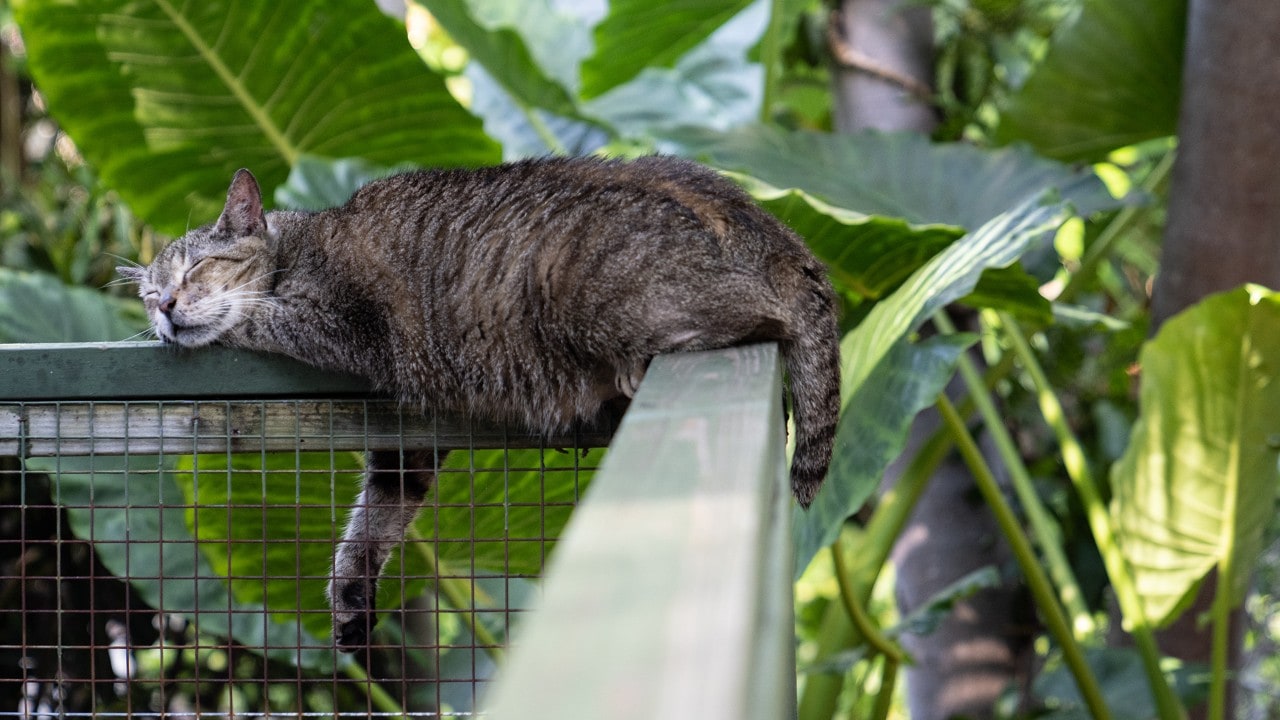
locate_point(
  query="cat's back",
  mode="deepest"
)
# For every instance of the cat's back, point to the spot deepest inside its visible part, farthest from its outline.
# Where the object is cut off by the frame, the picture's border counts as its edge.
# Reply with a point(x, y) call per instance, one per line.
point(531, 195)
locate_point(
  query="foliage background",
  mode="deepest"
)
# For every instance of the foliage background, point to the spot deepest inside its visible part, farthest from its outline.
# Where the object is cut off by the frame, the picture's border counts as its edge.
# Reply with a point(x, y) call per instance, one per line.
point(134, 116)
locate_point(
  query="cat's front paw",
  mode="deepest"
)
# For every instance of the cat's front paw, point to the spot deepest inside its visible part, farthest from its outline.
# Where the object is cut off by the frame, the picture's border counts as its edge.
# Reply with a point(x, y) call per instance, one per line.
point(353, 616)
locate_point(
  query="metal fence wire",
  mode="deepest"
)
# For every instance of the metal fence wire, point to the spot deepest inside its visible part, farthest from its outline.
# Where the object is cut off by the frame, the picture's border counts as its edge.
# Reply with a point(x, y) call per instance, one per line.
point(167, 557)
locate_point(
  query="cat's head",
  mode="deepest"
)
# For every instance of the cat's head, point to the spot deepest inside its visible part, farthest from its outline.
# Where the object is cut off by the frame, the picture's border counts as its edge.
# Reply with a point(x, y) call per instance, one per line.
point(206, 282)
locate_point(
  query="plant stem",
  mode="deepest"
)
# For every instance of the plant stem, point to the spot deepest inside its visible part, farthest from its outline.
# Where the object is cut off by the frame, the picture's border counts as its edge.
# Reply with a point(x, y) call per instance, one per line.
point(458, 594)
point(1101, 247)
point(822, 692)
point(540, 128)
point(1221, 642)
point(1073, 459)
point(1044, 528)
point(377, 695)
point(888, 680)
point(1041, 589)
point(771, 58)
point(870, 633)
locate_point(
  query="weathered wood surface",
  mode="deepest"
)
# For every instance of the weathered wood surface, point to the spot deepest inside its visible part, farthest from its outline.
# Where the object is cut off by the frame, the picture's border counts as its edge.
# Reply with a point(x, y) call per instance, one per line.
point(145, 428)
point(147, 397)
point(153, 370)
point(670, 593)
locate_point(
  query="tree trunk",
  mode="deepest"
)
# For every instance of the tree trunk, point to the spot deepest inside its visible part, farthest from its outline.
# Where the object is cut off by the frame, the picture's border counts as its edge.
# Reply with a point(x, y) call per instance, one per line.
point(884, 53)
point(985, 644)
point(1223, 225)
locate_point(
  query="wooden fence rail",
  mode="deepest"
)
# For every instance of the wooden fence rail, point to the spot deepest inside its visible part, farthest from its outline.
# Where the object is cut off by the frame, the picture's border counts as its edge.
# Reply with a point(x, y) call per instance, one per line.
point(669, 596)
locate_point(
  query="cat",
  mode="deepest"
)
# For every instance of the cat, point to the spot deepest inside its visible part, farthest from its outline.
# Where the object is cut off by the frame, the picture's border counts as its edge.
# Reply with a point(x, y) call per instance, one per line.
point(535, 291)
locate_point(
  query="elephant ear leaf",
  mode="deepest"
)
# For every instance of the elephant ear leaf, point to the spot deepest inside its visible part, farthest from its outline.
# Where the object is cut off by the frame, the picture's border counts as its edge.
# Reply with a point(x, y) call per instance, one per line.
point(1195, 490)
point(159, 90)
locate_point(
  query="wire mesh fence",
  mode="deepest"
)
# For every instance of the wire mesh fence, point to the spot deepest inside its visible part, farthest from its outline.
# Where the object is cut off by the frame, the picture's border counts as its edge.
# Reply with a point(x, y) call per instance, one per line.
point(172, 557)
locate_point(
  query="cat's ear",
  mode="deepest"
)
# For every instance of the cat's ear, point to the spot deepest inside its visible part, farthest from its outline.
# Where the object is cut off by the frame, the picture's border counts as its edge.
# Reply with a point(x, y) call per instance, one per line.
point(243, 214)
point(132, 273)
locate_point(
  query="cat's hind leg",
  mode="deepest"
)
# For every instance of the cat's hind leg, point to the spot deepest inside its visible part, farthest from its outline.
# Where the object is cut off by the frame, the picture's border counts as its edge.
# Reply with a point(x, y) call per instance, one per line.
point(394, 488)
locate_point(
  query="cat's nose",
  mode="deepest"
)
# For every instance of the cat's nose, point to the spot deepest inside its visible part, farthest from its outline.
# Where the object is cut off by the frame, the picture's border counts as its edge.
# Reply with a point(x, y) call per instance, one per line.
point(167, 301)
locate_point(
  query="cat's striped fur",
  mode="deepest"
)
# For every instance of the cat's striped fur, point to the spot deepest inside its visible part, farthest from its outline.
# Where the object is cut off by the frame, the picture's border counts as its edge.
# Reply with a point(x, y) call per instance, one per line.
point(534, 291)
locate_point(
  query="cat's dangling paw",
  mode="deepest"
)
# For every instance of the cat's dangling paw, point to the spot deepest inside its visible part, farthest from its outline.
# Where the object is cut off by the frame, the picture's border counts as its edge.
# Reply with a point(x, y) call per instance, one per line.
point(353, 615)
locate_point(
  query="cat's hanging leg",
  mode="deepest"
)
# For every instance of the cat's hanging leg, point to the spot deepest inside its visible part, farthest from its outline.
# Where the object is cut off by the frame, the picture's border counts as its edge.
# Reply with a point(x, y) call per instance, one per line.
point(394, 487)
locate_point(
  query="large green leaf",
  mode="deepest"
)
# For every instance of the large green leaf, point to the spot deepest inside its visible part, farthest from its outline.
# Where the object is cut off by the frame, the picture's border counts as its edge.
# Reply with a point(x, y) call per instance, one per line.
point(35, 307)
point(948, 276)
point(1196, 487)
point(907, 381)
point(269, 523)
point(1110, 79)
point(713, 86)
point(900, 175)
point(873, 353)
point(871, 255)
point(639, 34)
point(168, 100)
point(132, 511)
point(527, 47)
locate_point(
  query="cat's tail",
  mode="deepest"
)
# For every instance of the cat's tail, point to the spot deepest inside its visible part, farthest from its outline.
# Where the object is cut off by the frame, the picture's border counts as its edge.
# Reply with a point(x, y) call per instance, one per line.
point(812, 358)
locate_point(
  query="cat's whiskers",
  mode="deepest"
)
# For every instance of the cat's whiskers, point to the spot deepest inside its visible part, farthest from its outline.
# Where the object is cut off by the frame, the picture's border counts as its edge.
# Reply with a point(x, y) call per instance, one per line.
point(149, 333)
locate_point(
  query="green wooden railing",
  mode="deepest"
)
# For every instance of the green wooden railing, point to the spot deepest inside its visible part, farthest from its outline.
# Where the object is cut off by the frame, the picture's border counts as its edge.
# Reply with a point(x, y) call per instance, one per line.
point(669, 595)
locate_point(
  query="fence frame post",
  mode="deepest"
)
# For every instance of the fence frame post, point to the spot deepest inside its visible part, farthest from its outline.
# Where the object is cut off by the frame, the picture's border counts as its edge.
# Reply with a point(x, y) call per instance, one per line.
point(669, 595)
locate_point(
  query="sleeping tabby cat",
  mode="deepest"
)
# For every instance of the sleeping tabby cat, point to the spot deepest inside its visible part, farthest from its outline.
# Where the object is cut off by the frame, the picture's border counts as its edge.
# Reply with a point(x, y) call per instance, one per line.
point(535, 291)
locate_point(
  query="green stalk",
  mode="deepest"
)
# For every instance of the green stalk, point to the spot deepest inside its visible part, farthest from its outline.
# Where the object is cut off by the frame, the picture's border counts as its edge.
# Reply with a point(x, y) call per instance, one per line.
point(379, 697)
point(457, 594)
point(1221, 642)
point(1043, 527)
point(861, 621)
point(1073, 459)
point(888, 680)
point(771, 58)
point(1041, 589)
point(540, 128)
point(1101, 247)
point(822, 692)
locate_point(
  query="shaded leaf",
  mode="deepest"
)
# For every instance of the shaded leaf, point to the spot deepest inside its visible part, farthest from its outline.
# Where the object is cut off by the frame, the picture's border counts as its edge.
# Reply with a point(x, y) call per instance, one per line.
point(1110, 79)
point(528, 48)
point(926, 618)
point(318, 183)
point(1196, 487)
point(36, 307)
point(508, 122)
point(871, 255)
point(1012, 290)
point(907, 381)
point(167, 101)
point(713, 86)
point(637, 34)
point(900, 175)
point(1123, 682)
point(133, 512)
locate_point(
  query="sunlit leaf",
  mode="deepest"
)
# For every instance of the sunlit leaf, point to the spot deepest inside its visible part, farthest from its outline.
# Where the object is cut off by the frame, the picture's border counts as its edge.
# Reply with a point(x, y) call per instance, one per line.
point(270, 522)
point(1196, 487)
point(168, 100)
point(527, 47)
point(637, 34)
point(948, 276)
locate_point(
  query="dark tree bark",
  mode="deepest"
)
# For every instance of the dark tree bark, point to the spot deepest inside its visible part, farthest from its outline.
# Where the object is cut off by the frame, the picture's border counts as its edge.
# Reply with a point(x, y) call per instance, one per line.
point(884, 54)
point(1224, 207)
point(1223, 225)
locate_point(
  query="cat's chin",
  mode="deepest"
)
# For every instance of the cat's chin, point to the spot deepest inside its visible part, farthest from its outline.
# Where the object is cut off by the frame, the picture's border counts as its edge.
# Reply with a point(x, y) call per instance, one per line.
point(188, 336)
